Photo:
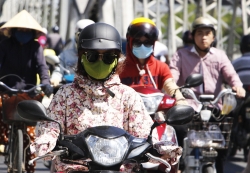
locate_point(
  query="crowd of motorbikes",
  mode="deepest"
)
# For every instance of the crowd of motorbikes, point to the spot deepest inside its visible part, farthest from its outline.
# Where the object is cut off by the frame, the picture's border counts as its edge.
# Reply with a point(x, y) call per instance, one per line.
point(199, 151)
point(204, 137)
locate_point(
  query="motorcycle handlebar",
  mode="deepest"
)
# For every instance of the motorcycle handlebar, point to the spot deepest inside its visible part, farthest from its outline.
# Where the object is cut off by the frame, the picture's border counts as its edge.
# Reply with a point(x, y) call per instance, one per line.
point(168, 166)
point(223, 92)
point(51, 154)
point(20, 90)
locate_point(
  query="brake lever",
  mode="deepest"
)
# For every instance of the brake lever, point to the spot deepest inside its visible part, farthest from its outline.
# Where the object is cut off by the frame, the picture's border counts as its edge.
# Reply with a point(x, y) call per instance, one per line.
point(150, 156)
point(52, 154)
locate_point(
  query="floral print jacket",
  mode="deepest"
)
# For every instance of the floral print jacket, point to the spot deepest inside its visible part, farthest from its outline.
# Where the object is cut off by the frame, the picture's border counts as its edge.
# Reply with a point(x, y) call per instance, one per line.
point(85, 103)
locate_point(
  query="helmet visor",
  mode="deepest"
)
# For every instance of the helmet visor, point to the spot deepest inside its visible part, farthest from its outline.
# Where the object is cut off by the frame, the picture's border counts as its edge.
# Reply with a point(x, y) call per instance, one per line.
point(143, 29)
point(203, 26)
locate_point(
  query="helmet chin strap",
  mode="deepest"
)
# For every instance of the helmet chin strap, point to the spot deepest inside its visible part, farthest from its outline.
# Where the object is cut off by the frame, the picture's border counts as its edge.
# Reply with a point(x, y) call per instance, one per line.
point(204, 50)
point(105, 79)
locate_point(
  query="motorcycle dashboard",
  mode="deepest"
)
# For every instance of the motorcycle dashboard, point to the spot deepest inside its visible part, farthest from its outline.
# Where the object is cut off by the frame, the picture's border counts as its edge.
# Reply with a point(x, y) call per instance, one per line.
point(107, 132)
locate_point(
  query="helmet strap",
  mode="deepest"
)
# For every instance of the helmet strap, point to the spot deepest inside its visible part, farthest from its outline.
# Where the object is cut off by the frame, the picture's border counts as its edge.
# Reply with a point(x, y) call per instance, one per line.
point(105, 79)
point(204, 50)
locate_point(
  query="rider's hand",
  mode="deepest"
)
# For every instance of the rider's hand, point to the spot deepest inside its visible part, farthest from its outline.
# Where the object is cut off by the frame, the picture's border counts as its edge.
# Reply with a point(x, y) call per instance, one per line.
point(55, 81)
point(181, 102)
point(240, 92)
point(47, 89)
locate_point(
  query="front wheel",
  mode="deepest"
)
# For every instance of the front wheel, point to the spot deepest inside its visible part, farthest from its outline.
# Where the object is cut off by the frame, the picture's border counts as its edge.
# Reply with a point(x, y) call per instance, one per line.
point(17, 155)
point(208, 169)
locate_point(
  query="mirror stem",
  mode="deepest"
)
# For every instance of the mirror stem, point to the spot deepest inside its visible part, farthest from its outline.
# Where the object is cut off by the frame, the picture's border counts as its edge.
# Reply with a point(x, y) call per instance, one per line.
point(151, 131)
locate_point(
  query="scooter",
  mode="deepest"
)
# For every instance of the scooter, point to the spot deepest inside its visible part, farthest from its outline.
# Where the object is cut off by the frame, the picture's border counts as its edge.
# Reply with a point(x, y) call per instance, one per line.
point(96, 142)
point(156, 103)
point(54, 62)
point(204, 136)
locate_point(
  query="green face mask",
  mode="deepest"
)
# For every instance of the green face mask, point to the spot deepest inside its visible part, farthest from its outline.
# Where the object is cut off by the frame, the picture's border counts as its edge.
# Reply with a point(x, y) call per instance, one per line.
point(98, 69)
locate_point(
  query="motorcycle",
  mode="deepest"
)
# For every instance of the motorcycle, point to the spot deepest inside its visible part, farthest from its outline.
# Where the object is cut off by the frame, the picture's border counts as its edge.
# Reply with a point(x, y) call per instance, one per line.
point(156, 104)
point(205, 134)
point(54, 61)
point(107, 147)
point(18, 138)
point(240, 137)
point(110, 147)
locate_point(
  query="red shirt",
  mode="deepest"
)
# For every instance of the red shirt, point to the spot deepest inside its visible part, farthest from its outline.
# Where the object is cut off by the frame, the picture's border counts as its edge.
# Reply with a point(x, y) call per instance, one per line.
point(130, 75)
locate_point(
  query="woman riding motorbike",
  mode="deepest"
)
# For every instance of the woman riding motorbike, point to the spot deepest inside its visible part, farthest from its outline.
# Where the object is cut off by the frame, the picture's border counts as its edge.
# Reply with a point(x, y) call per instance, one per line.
point(96, 96)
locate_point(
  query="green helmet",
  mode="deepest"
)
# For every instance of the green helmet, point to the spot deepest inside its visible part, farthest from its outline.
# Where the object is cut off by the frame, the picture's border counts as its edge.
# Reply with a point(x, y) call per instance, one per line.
point(202, 22)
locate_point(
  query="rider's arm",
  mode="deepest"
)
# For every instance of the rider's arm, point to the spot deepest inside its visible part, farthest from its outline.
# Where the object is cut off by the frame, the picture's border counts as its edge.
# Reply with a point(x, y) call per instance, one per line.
point(172, 89)
point(57, 74)
point(231, 77)
point(175, 66)
point(228, 72)
point(47, 132)
point(136, 121)
point(43, 69)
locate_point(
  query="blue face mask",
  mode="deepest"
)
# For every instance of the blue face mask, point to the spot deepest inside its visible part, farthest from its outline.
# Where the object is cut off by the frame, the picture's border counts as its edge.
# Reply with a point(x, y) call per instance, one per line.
point(23, 37)
point(142, 52)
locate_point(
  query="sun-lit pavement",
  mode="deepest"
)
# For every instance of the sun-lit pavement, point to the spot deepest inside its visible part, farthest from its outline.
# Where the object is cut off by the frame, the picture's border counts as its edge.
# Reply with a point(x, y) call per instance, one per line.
point(40, 168)
point(234, 165)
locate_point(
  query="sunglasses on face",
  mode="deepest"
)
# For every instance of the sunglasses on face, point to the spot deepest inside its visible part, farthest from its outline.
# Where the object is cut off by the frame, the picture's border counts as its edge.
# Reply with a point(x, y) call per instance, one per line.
point(107, 57)
point(146, 43)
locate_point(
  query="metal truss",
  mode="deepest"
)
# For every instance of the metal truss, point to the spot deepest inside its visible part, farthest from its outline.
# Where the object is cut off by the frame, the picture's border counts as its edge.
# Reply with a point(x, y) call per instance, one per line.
point(216, 10)
point(46, 12)
point(179, 16)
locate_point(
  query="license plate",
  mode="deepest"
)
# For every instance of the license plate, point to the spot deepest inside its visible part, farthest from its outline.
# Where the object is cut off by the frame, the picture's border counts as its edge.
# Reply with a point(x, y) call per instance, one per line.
point(248, 112)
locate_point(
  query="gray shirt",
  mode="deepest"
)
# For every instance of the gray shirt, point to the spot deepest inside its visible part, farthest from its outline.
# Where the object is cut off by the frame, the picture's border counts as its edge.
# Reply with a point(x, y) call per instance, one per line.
point(242, 67)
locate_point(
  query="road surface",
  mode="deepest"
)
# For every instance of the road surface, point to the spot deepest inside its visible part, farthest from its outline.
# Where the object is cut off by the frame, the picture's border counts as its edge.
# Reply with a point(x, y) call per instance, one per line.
point(233, 165)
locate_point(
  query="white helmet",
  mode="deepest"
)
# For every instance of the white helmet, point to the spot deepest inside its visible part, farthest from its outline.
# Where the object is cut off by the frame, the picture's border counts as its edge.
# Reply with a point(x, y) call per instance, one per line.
point(83, 23)
point(80, 25)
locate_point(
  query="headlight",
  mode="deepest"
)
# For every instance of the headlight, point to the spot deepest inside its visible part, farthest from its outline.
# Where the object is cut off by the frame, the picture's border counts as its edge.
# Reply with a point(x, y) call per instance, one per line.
point(152, 102)
point(107, 151)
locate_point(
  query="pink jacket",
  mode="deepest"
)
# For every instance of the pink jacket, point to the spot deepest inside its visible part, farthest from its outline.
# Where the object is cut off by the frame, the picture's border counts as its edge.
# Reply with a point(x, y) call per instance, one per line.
point(215, 67)
point(84, 103)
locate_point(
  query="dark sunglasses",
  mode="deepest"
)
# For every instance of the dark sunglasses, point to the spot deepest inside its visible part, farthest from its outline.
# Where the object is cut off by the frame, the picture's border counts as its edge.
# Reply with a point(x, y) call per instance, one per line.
point(107, 57)
point(147, 43)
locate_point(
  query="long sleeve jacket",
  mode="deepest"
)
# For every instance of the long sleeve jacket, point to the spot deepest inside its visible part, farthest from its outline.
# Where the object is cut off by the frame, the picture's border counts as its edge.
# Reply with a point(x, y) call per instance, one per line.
point(85, 103)
point(25, 60)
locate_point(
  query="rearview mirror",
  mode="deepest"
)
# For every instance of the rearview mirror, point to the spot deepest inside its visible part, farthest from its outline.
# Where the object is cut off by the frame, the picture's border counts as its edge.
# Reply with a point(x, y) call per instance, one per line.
point(35, 111)
point(32, 110)
point(179, 115)
point(193, 80)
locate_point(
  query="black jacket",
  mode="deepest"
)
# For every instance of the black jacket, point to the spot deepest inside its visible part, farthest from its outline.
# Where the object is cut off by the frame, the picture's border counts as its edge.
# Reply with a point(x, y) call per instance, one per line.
point(25, 60)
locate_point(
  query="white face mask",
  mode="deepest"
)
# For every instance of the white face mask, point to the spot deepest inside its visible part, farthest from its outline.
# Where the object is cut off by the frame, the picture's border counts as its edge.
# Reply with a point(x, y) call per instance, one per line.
point(142, 52)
